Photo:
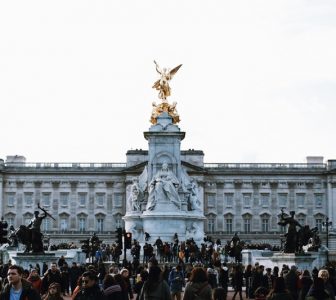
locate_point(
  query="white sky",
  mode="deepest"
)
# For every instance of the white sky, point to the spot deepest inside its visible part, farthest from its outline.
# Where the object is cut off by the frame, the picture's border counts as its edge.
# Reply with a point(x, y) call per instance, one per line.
point(258, 80)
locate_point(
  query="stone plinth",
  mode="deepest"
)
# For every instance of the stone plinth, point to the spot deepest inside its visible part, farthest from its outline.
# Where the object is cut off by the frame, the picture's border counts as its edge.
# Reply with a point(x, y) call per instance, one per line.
point(302, 262)
point(25, 259)
point(270, 259)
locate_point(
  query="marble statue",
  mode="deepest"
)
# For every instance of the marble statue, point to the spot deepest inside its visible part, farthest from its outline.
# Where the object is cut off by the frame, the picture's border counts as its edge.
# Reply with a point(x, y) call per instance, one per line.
point(162, 84)
point(194, 231)
point(162, 188)
point(190, 188)
point(136, 196)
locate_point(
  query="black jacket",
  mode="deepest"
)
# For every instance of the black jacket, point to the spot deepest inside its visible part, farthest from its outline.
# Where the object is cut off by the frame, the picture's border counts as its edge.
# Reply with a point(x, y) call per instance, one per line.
point(93, 293)
point(28, 293)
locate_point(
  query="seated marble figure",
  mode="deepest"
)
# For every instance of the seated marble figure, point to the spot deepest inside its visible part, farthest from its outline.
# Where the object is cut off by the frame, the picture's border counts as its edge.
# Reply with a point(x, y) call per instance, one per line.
point(162, 188)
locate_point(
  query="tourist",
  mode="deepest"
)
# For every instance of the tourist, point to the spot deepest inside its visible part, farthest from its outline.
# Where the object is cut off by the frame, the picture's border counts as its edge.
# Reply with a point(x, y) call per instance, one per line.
point(54, 292)
point(176, 281)
point(74, 274)
point(125, 274)
point(292, 282)
point(279, 291)
point(51, 276)
point(237, 281)
point(90, 289)
point(155, 287)
point(248, 279)
point(124, 289)
point(198, 286)
point(35, 279)
point(65, 279)
point(305, 283)
point(318, 291)
point(18, 288)
point(111, 289)
point(324, 274)
point(141, 278)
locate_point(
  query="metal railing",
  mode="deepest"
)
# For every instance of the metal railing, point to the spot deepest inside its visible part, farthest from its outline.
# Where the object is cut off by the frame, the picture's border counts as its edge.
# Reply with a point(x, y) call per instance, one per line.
point(264, 166)
point(48, 165)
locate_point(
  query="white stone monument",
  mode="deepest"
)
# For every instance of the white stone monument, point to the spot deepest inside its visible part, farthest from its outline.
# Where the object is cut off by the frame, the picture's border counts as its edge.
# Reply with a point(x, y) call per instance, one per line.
point(164, 199)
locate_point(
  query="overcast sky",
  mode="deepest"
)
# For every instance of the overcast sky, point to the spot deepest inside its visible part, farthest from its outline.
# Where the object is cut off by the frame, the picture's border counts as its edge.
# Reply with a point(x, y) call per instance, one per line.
point(258, 81)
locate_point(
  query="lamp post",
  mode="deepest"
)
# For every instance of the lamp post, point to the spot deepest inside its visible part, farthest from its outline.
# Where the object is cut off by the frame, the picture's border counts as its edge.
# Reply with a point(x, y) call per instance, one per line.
point(327, 223)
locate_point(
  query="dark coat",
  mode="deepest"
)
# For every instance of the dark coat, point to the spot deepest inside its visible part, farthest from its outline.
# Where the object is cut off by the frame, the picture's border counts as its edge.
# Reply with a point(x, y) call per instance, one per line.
point(28, 292)
point(93, 293)
point(113, 293)
point(50, 278)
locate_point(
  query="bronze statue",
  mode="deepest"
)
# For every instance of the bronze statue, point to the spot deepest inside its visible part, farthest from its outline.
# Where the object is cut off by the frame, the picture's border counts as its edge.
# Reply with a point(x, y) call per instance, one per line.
point(292, 239)
point(31, 235)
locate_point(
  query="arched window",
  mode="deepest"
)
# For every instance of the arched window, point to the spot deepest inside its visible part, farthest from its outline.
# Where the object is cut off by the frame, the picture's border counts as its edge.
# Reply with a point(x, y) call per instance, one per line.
point(81, 218)
point(228, 223)
point(100, 222)
point(247, 223)
point(265, 218)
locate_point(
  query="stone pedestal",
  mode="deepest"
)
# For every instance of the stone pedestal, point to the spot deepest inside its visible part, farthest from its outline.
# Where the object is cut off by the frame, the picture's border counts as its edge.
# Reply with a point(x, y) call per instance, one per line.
point(25, 259)
point(270, 259)
point(302, 262)
point(165, 217)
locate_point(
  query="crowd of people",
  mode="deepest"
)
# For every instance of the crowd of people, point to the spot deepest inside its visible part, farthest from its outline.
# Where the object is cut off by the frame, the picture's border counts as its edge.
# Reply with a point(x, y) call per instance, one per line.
point(152, 280)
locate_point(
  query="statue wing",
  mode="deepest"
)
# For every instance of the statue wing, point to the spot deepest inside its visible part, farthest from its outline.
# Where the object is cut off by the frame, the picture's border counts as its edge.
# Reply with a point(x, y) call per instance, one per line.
point(143, 180)
point(156, 85)
point(185, 180)
point(173, 71)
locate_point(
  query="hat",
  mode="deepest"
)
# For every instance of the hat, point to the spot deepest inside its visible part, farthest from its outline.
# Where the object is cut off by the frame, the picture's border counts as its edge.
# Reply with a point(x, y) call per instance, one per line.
point(123, 270)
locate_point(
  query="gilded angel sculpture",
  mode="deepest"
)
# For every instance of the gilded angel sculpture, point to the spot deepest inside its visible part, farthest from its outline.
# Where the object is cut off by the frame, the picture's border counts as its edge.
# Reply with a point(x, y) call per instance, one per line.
point(162, 84)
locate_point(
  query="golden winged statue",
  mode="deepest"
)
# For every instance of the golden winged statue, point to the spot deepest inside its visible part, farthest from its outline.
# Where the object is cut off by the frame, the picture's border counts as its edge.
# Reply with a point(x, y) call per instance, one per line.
point(162, 84)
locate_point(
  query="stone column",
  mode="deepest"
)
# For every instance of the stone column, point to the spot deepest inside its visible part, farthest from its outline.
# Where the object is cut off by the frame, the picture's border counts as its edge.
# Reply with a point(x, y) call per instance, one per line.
point(331, 198)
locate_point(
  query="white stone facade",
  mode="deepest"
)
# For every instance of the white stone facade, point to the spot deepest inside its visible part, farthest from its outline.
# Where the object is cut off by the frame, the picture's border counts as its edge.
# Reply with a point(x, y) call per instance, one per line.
point(243, 198)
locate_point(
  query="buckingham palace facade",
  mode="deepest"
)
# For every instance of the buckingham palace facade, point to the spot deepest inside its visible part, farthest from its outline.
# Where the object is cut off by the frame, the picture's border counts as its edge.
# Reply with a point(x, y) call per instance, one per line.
point(246, 198)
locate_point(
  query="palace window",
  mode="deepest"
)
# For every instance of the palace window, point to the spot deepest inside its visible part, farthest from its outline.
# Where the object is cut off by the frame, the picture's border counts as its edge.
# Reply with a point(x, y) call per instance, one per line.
point(46, 199)
point(211, 225)
point(28, 199)
point(10, 221)
point(100, 224)
point(82, 199)
point(82, 224)
point(64, 199)
point(10, 199)
point(211, 200)
point(300, 200)
point(264, 199)
point(46, 225)
point(282, 200)
point(229, 199)
point(64, 224)
point(264, 224)
point(318, 200)
point(117, 200)
point(247, 200)
point(228, 225)
point(247, 225)
point(100, 199)
point(318, 224)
